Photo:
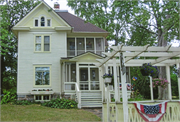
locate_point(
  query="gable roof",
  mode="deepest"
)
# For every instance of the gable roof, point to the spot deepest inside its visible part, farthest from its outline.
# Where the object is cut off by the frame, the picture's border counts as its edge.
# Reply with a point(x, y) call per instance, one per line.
point(79, 24)
point(83, 54)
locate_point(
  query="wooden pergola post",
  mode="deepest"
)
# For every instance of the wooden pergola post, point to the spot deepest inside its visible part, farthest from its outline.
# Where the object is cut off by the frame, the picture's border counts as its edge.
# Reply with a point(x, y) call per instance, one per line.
point(169, 85)
point(177, 65)
point(116, 86)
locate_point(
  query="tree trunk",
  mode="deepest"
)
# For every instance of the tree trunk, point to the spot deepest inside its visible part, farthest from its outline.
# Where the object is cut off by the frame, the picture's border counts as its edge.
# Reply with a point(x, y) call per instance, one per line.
point(162, 70)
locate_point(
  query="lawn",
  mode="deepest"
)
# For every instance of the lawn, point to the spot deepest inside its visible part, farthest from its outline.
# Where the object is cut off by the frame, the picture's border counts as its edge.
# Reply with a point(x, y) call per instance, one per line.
point(37, 112)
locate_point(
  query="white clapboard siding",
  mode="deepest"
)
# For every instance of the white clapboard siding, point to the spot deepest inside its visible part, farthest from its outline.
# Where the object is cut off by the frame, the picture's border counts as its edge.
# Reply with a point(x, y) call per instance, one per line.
point(27, 58)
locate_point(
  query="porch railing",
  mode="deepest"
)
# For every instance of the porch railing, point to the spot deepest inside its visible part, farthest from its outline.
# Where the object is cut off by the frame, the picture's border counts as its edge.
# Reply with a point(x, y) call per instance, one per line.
point(78, 95)
point(116, 112)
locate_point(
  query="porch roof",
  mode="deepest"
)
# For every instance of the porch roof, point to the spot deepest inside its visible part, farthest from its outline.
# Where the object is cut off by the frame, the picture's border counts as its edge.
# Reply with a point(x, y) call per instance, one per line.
point(83, 54)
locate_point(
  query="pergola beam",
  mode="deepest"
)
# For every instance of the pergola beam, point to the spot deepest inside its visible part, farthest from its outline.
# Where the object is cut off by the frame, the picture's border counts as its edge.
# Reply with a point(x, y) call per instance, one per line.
point(137, 53)
point(165, 58)
point(116, 50)
point(144, 54)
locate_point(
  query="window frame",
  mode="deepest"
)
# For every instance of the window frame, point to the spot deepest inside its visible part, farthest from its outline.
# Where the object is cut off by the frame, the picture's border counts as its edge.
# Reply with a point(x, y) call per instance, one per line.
point(42, 21)
point(42, 44)
point(42, 97)
point(34, 72)
point(45, 21)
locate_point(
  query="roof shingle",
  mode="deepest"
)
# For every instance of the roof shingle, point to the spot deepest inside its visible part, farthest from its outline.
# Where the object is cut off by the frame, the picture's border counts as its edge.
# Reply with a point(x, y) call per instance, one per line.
point(79, 24)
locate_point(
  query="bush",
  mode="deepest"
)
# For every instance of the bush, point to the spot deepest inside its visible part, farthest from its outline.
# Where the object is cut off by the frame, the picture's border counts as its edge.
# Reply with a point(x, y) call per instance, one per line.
point(22, 102)
point(9, 96)
point(61, 103)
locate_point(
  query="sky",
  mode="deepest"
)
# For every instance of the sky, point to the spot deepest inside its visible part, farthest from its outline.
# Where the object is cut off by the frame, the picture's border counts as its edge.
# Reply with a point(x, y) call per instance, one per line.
point(63, 5)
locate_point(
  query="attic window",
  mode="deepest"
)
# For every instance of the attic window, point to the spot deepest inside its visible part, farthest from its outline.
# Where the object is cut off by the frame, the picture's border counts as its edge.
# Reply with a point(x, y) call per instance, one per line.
point(42, 21)
point(36, 22)
point(48, 22)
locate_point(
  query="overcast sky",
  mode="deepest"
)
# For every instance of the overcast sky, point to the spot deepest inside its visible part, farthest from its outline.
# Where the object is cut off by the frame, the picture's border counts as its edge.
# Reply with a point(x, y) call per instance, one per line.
point(63, 5)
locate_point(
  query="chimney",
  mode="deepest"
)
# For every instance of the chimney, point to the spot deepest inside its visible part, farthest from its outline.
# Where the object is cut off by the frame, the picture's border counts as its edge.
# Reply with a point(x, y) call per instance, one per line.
point(56, 6)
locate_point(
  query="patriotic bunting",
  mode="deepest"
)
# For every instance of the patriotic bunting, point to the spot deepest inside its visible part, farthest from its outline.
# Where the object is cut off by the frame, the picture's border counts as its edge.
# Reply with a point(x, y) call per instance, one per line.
point(151, 113)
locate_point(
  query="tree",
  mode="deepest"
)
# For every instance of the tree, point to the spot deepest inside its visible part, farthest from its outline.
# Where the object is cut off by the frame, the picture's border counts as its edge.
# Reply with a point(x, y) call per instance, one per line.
point(12, 11)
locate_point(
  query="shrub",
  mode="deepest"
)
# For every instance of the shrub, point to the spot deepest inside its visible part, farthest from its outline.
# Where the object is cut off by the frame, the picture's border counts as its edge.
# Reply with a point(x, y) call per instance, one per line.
point(22, 102)
point(61, 103)
point(9, 96)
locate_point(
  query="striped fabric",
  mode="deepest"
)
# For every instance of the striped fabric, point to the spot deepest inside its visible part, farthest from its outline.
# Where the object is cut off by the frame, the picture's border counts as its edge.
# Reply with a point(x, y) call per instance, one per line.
point(151, 113)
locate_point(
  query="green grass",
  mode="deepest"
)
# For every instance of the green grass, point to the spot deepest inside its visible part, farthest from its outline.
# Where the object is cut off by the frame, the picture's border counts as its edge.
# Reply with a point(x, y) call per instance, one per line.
point(37, 112)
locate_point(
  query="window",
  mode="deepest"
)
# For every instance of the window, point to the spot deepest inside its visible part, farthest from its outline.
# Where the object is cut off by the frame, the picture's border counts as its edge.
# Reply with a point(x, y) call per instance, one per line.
point(46, 97)
point(36, 22)
point(42, 43)
point(48, 22)
point(38, 43)
point(42, 75)
point(38, 97)
point(42, 21)
point(46, 43)
point(71, 46)
point(80, 46)
point(42, 97)
point(90, 44)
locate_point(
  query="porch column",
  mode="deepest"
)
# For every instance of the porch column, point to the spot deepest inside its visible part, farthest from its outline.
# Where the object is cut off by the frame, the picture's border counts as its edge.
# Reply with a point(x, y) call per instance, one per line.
point(77, 74)
point(116, 86)
point(177, 65)
point(169, 85)
point(63, 77)
point(106, 93)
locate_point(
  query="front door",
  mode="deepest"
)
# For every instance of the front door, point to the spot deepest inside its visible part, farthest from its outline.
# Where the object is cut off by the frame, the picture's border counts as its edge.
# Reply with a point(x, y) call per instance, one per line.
point(89, 78)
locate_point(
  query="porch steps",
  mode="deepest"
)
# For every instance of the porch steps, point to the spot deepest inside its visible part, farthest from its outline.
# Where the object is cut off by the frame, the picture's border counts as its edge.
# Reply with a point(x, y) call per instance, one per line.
point(91, 99)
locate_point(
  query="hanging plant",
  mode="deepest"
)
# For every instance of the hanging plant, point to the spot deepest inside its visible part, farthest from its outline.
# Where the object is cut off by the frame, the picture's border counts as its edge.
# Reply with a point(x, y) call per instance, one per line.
point(148, 70)
point(107, 78)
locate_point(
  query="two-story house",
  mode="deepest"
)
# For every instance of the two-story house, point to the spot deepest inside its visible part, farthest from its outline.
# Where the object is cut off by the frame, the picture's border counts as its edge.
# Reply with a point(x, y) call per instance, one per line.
point(56, 56)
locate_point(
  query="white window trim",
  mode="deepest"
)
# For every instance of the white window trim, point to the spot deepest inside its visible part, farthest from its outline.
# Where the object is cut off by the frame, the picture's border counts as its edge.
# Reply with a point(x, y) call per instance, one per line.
point(34, 72)
point(34, 22)
point(42, 43)
point(45, 20)
point(50, 22)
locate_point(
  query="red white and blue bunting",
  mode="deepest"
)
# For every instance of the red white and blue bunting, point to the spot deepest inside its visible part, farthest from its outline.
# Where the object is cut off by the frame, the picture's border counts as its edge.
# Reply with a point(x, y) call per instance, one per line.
point(151, 113)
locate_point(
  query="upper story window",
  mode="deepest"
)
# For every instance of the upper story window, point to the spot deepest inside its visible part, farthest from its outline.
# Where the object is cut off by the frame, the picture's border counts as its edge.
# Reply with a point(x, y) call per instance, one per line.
point(36, 22)
point(48, 22)
point(79, 45)
point(42, 43)
point(42, 21)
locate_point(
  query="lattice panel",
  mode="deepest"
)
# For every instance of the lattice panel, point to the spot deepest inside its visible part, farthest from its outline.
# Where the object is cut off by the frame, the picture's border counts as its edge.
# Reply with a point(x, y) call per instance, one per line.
point(112, 111)
point(172, 113)
point(133, 114)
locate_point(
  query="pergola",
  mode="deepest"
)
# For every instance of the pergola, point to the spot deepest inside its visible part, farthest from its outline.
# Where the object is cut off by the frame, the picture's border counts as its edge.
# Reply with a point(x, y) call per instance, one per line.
point(131, 56)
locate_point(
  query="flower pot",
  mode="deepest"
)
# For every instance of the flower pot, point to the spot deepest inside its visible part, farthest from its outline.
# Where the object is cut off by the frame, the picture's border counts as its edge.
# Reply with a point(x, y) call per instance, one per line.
point(107, 80)
point(144, 73)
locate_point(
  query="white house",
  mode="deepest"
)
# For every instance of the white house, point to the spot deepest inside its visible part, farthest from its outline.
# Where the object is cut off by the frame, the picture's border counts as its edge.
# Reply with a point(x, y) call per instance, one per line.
point(56, 56)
